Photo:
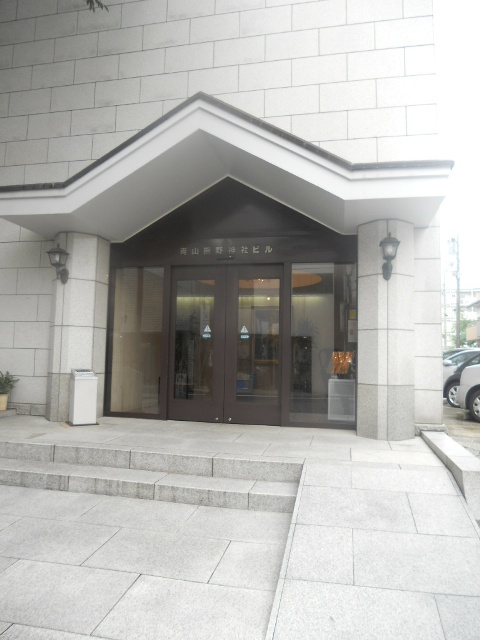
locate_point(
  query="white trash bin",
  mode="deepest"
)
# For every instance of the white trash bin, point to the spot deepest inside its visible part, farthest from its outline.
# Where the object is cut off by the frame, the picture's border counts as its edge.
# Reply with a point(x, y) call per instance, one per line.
point(83, 397)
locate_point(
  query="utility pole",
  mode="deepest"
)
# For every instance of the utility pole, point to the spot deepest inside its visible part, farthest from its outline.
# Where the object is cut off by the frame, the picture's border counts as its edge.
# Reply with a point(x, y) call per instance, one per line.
point(455, 251)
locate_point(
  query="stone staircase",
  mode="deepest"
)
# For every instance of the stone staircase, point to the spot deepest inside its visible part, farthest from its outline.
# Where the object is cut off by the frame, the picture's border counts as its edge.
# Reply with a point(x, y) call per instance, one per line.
point(221, 480)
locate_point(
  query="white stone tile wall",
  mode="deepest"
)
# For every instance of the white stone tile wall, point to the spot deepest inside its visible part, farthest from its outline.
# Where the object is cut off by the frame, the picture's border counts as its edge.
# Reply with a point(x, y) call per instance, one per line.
point(69, 76)
point(25, 301)
point(428, 328)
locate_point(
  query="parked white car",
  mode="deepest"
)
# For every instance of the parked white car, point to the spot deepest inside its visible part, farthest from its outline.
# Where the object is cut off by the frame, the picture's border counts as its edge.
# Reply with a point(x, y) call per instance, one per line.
point(468, 395)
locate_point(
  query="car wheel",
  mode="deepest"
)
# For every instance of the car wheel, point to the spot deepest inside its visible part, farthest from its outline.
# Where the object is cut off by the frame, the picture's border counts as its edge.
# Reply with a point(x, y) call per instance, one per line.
point(474, 405)
point(451, 394)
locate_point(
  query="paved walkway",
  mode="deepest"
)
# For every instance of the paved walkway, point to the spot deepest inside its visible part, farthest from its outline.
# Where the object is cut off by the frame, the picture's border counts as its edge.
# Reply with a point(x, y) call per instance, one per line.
point(381, 546)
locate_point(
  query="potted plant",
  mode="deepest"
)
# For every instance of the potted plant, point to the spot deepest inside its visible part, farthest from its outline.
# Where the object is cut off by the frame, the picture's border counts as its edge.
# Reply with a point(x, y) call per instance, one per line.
point(7, 382)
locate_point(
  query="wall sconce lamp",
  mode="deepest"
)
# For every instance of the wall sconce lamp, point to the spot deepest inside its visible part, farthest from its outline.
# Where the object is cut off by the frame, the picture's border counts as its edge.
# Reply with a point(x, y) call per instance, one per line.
point(389, 247)
point(58, 259)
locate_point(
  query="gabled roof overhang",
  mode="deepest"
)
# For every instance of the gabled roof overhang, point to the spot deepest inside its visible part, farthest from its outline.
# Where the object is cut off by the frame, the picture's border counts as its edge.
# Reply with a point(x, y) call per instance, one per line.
point(204, 141)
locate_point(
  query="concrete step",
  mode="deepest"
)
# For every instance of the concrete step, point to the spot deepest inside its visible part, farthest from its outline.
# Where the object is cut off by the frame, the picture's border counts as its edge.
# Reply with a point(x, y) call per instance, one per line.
point(219, 465)
point(220, 481)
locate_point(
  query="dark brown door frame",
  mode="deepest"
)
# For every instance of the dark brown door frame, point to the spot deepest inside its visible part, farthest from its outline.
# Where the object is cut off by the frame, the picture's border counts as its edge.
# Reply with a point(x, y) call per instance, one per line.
point(205, 409)
point(224, 406)
point(239, 412)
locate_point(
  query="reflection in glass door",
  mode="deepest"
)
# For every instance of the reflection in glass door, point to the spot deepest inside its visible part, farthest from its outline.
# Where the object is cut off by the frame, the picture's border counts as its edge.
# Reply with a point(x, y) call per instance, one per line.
point(257, 337)
point(196, 385)
point(194, 339)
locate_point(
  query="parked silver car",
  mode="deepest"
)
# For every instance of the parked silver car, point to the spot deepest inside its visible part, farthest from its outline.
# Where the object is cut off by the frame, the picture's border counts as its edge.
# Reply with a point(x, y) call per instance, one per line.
point(451, 363)
point(468, 395)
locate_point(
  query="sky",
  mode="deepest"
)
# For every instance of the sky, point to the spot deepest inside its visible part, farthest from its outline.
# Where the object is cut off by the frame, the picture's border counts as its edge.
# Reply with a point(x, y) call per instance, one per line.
point(457, 56)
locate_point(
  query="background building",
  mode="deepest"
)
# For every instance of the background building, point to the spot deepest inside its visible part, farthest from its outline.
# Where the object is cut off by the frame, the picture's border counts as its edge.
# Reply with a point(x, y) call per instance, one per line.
point(327, 108)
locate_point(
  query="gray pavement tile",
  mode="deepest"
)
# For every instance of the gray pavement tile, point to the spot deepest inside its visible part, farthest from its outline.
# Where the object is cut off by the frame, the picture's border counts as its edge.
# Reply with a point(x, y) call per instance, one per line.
point(159, 608)
point(4, 626)
point(322, 475)
point(99, 456)
point(258, 467)
point(321, 554)
point(279, 439)
point(247, 428)
point(433, 480)
point(379, 465)
point(200, 465)
point(397, 457)
point(35, 475)
point(353, 441)
point(20, 632)
point(52, 541)
point(219, 446)
point(78, 434)
point(179, 557)
point(249, 565)
point(460, 617)
point(415, 444)
point(6, 562)
point(441, 515)
point(26, 450)
point(109, 487)
point(6, 521)
point(273, 496)
point(434, 564)
point(41, 503)
point(130, 483)
point(163, 517)
point(313, 610)
point(203, 490)
point(320, 453)
point(60, 597)
point(355, 508)
point(237, 524)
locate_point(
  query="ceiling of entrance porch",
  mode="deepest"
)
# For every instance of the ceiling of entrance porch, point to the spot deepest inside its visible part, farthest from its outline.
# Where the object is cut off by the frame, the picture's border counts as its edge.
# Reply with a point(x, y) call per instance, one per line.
point(204, 141)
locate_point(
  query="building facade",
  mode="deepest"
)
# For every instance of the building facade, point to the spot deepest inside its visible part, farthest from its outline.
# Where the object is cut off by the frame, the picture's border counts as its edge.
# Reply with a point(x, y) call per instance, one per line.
point(221, 173)
point(473, 329)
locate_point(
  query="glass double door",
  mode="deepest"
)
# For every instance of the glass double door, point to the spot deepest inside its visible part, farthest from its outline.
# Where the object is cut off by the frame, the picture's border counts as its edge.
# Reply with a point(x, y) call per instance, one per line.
point(225, 346)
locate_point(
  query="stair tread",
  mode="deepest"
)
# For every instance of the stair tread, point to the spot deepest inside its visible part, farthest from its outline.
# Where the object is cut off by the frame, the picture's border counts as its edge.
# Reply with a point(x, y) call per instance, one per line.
point(216, 491)
point(239, 466)
point(139, 475)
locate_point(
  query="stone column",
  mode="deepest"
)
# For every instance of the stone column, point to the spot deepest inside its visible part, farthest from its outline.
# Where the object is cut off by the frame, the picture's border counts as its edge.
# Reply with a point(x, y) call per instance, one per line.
point(79, 320)
point(385, 403)
point(428, 330)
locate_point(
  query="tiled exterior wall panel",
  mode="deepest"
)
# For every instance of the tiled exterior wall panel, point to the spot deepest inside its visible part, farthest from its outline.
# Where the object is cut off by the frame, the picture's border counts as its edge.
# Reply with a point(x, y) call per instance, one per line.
point(56, 74)
point(239, 51)
point(286, 46)
point(33, 53)
point(13, 128)
point(46, 173)
point(6, 56)
point(428, 325)
point(56, 123)
point(139, 45)
point(213, 28)
point(93, 121)
point(319, 14)
point(319, 70)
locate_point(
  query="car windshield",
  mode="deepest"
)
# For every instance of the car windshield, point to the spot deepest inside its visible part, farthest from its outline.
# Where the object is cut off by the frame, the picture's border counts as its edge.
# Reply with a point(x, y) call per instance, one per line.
point(472, 360)
point(460, 358)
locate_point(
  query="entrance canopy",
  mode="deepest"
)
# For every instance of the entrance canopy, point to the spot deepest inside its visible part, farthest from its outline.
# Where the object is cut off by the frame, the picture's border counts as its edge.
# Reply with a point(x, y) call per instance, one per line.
point(204, 141)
